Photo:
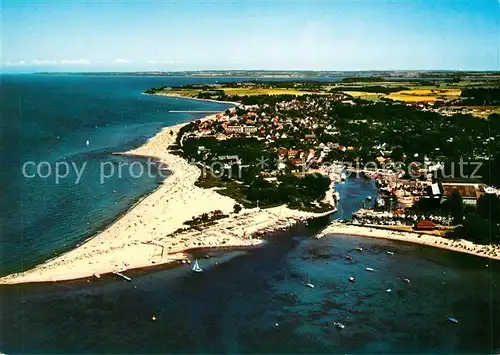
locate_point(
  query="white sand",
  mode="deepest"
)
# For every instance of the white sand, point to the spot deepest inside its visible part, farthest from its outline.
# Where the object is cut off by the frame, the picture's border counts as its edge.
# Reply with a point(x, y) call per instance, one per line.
point(143, 236)
point(463, 246)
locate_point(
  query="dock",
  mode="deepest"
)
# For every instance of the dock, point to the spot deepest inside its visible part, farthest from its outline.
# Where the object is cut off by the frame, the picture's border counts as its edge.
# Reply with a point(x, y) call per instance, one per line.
point(125, 277)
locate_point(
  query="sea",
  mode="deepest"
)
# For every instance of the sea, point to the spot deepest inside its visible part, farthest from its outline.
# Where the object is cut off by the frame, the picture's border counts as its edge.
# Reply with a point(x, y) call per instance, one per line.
point(245, 301)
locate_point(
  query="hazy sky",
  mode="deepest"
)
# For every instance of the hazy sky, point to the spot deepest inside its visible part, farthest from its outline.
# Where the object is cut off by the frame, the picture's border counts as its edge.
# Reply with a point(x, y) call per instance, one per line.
point(66, 35)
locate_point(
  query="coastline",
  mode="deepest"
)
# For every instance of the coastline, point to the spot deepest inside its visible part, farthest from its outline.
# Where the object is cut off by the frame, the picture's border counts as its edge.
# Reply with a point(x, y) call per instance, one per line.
point(193, 98)
point(147, 234)
point(462, 246)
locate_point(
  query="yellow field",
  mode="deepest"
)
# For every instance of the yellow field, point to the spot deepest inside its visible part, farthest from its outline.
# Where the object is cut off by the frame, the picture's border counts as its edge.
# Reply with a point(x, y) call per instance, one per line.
point(365, 95)
point(241, 92)
point(412, 95)
point(483, 111)
point(263, 91)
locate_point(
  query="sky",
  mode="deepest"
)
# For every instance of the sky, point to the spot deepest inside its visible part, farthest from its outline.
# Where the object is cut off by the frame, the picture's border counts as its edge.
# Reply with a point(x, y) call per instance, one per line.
point(111, 35)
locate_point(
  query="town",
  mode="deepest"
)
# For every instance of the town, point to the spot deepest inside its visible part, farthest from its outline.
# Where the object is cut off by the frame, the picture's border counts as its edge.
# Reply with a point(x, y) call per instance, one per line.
point(437, 170)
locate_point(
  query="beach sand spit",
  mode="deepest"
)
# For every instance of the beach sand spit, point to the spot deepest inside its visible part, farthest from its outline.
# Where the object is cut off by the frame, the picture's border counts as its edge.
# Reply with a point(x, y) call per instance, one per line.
point(144, 236)
point(463, 246)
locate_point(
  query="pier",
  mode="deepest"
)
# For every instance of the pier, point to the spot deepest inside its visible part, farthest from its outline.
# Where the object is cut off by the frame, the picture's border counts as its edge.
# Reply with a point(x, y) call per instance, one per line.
point(123, 276)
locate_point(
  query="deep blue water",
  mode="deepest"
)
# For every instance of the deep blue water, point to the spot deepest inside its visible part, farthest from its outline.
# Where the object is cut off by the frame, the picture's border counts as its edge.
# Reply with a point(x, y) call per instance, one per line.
point(251, 302)
point(50, 118)
point(257, 302)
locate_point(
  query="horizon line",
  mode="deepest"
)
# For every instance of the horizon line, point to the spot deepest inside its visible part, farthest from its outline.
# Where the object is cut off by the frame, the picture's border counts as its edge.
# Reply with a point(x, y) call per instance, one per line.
point(258, 70)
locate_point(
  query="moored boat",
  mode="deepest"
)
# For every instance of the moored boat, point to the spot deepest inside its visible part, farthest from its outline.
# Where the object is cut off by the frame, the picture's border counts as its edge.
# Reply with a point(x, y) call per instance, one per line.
point(339, 325)
point(196, 267)
point(309, 284)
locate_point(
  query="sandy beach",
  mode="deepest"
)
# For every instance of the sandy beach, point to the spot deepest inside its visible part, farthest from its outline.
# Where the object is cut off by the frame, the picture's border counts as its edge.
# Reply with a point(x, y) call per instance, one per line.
point(463, 246)
point(144, 236)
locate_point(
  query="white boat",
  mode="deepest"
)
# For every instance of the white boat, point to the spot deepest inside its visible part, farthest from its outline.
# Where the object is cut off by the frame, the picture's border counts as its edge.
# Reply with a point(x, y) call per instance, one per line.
point(390, 252)
point(339, 325)
point(359, 249)
point(87, 142)
point(369, 198)
point(196, 267)
point(369, 269)
point(406, 280)
point(309, 284)
point(388, 290)
point(343, 176)
point(352, 279)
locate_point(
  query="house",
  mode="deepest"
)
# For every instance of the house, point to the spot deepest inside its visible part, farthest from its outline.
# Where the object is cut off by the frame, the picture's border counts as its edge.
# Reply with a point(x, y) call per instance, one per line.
point(241, 129)
point(425, 225)
point(292, 153)
point(470, 192)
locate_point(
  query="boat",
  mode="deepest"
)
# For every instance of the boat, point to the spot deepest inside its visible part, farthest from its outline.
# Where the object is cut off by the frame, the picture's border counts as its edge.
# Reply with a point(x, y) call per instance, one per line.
point(196, 267)
point(390, 252)
point(352, 279)
point(359, 249)
point(388, 290)
point(406, 280)
point(369, 198)
point(87, 142)
point(309, 284)
point(453, 320)
point(348, 257)
point(97, 276)
point(380, 202)
point(339, 325)
point(369, 269)
point(343, 176)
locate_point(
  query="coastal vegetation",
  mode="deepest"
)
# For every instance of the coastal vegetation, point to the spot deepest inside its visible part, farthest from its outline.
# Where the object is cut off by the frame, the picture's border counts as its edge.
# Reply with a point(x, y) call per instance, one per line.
point(205, 219)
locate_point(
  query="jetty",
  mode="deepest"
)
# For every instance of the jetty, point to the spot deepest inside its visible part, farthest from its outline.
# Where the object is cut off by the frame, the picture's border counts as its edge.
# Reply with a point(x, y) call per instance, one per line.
point(125, 277)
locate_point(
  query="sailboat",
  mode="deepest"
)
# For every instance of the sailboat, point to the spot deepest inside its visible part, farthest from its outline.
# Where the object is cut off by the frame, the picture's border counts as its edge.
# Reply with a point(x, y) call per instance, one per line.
point(309, 284)
point(196, 267)
point(339, 325)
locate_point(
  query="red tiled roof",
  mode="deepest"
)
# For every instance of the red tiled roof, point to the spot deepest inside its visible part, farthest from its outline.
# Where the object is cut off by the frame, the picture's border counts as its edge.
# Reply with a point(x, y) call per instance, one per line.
point(425, 224)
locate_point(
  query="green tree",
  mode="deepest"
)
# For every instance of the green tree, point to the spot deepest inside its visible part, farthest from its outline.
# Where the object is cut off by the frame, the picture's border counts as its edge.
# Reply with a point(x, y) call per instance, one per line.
point(456, 207)
point(397, 154)
point(488, 207)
